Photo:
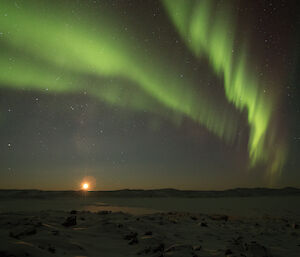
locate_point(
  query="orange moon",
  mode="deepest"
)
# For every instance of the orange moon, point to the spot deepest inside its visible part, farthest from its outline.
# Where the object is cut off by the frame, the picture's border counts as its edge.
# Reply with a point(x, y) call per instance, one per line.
point(85, 186)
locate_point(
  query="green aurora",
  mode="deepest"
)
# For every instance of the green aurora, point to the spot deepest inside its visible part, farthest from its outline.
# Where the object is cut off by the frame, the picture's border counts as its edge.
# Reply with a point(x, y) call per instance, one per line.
point(47, 47)
point(206, 29)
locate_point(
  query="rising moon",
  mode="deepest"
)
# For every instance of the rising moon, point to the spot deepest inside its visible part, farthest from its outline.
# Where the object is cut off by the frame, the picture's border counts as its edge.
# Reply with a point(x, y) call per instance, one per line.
point(85, 186)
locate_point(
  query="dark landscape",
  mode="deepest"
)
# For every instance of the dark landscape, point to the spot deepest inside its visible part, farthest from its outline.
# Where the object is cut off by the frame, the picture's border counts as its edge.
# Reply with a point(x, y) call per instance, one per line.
point(238, 222)
point(149, 128)
point(168, 192)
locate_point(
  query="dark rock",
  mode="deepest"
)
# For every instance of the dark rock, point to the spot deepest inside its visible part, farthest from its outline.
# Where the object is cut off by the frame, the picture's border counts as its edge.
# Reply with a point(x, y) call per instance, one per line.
point(103, 212)
point(258, 250)
point(148, 233)
point(145, 251)
point(51, 249)
point(179, 247)
point(55, 232)
point(295, 234)
point(130, 236)
point(133, 241)
point(22, 231)
point(6, 254)
point(238, 240)
point(70, 221)
point(228, 251)
point(295, 226)
point(174, 221)
point(151, 218)
point(28, 221)
point(159, 248)
point(194, 218)
point(197, 247)
point(219, 217)
point(203, 224)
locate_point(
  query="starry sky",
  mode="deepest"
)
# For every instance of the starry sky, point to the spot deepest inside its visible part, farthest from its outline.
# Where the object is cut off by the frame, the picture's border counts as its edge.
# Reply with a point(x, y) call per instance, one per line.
point(187, 94)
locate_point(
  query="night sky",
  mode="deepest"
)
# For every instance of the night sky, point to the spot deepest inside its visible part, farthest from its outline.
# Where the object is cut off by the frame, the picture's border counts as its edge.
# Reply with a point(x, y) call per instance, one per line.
point(149, 94)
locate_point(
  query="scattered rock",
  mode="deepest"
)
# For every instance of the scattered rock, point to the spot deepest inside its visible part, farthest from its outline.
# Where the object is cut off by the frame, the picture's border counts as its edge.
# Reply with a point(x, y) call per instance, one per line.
point(151, 218)
point(194, 218)
point(133, 241)
point(174, 221)
point(238, 240)
point(295, 234)
point(219, 217)
point(70, 221)
point(73, 212)
point(39, 246)
point(8, 254)
point(197, 247)
point(55, 232)
point(203, 224)
point(179, 247)
point(258, 250)
point(159, 248)
point(22, 231)
point(103, 212)
point(131, 236)
point(145, 251)
point(228, 251)
point(51, 249)
point(147, 240)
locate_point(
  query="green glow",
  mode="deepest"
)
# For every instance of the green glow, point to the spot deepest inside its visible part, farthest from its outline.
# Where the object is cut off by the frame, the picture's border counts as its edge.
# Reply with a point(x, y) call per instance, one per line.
point(99, 49)
point(48, 47)
point(208, 30)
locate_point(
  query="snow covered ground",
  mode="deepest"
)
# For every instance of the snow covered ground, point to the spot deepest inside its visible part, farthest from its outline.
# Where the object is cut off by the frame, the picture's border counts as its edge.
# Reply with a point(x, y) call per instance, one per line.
point(251, 226)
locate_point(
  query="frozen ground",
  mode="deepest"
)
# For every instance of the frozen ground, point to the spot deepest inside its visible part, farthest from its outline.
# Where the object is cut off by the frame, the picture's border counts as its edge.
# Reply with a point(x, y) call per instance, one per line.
point(287, 206)
point(169, 226)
